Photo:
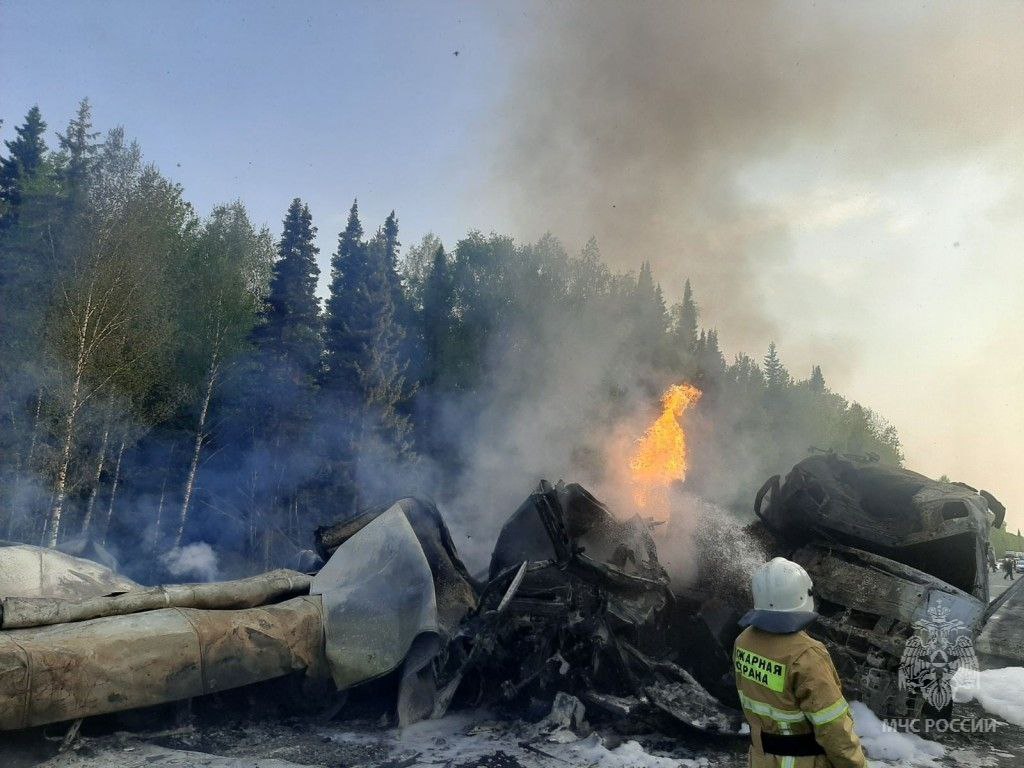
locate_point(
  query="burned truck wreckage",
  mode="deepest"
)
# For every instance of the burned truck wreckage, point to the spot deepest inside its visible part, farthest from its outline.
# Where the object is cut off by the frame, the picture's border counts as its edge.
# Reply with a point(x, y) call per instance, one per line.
point(892, 554)
point(575, 603)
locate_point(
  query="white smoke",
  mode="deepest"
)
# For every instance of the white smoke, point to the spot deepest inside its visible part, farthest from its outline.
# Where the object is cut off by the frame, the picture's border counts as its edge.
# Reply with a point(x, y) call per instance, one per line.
point(193, 561)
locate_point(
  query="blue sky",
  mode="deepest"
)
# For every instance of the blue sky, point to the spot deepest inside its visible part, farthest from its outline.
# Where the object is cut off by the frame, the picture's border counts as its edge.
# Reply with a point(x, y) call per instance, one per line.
point(268, 101)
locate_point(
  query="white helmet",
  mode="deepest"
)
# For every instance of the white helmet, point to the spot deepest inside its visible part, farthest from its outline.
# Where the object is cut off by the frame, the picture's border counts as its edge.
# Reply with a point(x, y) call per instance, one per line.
point(782, 597)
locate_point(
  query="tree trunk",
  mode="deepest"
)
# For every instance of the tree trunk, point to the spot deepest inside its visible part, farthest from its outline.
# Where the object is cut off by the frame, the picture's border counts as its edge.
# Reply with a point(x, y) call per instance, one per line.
point(60, 489)
point(35, 429)
point(24, 467)
point(190, 481)
point(87, 522)
point(254, 515)
point(159, 514)
point(155, 539)
point(357, 448)
point(113, 491)
point(9, 478)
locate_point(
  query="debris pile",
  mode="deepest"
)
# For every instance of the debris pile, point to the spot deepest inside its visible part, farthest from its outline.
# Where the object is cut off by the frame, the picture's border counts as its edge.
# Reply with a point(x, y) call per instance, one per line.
point(577, 602)
point(575, 625)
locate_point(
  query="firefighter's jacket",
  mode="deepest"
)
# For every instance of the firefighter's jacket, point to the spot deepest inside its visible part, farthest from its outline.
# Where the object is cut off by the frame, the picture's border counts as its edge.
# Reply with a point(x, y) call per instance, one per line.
point(788, 685)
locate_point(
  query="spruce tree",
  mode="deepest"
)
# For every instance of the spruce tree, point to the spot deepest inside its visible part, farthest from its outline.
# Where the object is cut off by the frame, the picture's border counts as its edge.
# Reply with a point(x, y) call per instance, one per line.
point(290, 333)
point(31, 253)
point(684, 333)
point(389, 239)
point(26, 153)
point(437, 315)
point(79, 149)
point(714, 360)
point(364, 372)
point(348, 310)
point(381, 371)
point(435, 322)
point(708, 363)
point(276, 399)
point(649, 319)
point(345, 334)
point(775, 372)
point(645, 283)
point(688, 320)
point(817, 380)
point(405, 315)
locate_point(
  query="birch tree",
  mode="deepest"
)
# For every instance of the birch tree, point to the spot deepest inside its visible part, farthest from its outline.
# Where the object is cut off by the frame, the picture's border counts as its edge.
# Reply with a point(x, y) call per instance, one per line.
point(225, 278)
point(111, 327)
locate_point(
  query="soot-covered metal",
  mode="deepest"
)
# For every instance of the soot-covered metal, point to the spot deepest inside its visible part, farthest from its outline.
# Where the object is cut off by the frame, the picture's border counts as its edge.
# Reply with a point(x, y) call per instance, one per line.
point(577, 602)
point(889, 551)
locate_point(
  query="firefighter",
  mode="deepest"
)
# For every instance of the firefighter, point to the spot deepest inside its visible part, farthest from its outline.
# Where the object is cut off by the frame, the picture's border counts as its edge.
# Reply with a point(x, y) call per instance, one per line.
point(789, 689)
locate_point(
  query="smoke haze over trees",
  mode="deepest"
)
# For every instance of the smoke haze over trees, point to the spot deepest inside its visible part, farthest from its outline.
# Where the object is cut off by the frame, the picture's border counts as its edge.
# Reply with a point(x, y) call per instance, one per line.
point(167, 378)
point(845, 178)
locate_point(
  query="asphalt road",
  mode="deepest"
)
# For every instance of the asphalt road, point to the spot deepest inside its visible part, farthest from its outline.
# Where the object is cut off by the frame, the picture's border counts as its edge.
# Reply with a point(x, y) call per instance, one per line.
point(997, 584)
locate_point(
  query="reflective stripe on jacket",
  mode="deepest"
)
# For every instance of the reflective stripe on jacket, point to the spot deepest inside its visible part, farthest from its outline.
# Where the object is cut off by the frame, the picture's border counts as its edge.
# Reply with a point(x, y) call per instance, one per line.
point(788, 685)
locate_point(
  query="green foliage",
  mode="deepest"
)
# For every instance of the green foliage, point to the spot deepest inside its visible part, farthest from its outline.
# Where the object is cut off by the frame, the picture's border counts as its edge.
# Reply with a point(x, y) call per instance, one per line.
point(414, 270)
point(226, 274)
point(380, 369)
point(200, 347)
point(25, 161)
point(775, 374)
point(438, 315)
point(78, 154)
point(817, 381)
point(686, 326)
point(348, 319)
point(364, 370)
point(649, 322)
point(290, 333)
point(1004, 541)
point(588, 277)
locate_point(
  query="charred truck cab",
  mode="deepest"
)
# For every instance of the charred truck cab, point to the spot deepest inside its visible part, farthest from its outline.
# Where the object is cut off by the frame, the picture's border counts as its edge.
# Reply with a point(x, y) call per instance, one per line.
point(892, 554)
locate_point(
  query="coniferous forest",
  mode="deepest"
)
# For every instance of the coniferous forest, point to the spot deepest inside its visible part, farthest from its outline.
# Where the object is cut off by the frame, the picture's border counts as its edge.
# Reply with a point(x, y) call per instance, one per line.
point(168, 378)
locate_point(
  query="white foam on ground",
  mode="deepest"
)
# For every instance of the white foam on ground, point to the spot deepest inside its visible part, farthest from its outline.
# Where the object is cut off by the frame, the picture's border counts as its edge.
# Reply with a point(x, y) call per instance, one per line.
point(465, 737)
point(148, 755)
point(891, 746)
point(998, 691)
point(630, 754)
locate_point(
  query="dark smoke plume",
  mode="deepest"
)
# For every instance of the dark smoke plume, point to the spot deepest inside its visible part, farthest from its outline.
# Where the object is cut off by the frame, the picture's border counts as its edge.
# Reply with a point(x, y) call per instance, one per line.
point(651, 124)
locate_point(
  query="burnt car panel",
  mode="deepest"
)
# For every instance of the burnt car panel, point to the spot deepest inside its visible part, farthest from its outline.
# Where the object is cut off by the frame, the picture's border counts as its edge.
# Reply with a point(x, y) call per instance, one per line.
point(578, 602)
point(940, 528)
point(869, 608)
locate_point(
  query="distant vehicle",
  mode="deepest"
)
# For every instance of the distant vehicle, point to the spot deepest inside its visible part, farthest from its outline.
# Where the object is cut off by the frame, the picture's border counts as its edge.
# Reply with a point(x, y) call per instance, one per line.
point(1019, 565)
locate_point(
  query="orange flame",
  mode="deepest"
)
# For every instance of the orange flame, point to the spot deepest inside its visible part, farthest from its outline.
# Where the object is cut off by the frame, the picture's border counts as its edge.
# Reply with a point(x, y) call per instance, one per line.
point(660, 457)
